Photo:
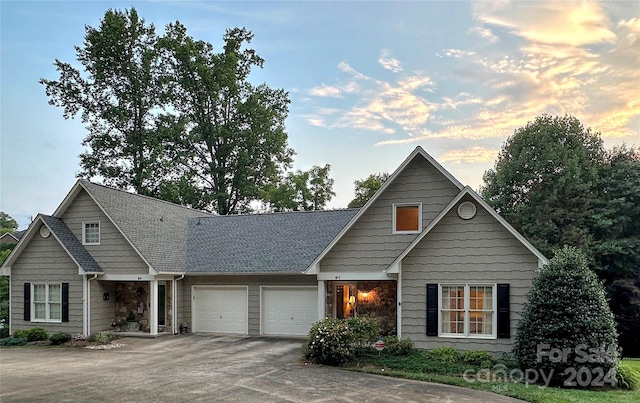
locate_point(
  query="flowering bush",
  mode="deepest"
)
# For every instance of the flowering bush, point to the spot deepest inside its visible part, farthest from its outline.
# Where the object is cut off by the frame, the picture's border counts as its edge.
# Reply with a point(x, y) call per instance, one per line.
point(333, 341)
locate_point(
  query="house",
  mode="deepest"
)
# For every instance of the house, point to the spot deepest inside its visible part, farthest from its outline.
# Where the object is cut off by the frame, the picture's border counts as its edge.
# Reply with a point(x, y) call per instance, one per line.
point(426, 256)
point(11, 237)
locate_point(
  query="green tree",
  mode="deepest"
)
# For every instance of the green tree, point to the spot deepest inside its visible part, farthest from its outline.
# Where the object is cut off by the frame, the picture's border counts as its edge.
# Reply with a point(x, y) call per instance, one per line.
point(301, 190)
point(366, 188)
point(566, 309)
point(542, 181)
point(4, 297)
point(118, 94)
point(233, 142)
point(7, 223)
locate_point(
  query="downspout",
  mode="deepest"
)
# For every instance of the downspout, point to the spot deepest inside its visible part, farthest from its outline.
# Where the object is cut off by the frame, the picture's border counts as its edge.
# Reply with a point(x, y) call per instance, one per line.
point(175, 304)
point(89, 303)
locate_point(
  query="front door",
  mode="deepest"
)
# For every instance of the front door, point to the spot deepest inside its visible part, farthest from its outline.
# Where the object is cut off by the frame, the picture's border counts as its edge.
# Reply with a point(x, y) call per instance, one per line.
point(376, 299)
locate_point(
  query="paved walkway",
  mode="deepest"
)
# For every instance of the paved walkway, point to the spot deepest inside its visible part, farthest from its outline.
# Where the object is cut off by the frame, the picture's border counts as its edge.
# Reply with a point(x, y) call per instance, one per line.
point(193, 367)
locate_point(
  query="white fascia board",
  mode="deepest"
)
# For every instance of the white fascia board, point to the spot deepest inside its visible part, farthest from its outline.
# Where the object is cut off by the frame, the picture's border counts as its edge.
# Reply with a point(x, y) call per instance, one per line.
point(350, 276)
point(68, 199)
point(313, 267)
point(127, 277)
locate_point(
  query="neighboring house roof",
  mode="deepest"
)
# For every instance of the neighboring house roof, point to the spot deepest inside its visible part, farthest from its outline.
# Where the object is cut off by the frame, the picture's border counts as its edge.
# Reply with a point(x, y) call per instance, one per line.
point(65, 238)
point(418, 152)
point(262, 243)
point(19, 234)
point(156, 229)
point(8, 237)
point(394, 266)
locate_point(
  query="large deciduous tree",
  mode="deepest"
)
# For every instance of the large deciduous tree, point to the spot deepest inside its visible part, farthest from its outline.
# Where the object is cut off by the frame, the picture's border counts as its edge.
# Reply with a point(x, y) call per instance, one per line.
point(7, 223)
point(302, 190)
point(366, 188)
point(117, 93)
point(542, 181)
point(233, 141)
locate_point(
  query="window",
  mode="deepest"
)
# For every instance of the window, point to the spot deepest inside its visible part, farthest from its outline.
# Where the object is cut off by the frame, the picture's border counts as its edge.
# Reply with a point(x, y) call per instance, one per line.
point(46, 302)
point(91, 233)
point(467, 310)
point(407, 218)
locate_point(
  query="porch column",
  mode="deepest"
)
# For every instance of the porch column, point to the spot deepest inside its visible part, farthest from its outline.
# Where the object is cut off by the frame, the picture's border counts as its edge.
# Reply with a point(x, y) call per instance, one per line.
point(321, 296)
point(153, 309)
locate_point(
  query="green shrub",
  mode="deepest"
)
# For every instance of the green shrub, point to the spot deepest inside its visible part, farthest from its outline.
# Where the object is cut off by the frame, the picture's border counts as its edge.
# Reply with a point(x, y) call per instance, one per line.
point(101, 337)
point(566, 310)
point(627, 377)
point(59, 338)
point(20, 334)
point(13, 341)
point(330, 342)
point(396, 346)
point(445, 354)
point(37, 334)
point(365, 330)
point(480, 359)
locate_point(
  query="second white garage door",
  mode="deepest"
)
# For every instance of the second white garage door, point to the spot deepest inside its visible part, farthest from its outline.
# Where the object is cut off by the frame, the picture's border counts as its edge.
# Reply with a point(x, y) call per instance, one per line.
point(220, 309)
point(289, 311)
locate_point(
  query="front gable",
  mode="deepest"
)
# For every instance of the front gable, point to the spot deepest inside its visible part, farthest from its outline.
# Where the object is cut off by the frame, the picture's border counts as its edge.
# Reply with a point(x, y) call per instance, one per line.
point(368, 243)
point(113, 252)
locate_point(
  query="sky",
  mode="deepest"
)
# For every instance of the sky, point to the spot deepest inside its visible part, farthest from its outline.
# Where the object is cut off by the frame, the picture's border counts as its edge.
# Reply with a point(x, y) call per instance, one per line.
point(368, 81)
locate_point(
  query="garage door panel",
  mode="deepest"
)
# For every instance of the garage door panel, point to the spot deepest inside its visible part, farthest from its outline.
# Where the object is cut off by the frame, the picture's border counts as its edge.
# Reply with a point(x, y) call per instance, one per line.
point(289, 310)
point(220, 309)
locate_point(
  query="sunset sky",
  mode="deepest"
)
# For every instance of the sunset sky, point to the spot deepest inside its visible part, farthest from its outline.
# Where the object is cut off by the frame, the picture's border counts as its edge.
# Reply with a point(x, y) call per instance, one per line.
point(368, 81)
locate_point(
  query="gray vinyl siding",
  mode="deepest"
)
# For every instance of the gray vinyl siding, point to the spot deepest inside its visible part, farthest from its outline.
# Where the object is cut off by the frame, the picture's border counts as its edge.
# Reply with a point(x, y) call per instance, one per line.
point(370, 245)
point(45, 261)
point(253, 283)
point(114, 254)
point(460, 251)
point(102, 312)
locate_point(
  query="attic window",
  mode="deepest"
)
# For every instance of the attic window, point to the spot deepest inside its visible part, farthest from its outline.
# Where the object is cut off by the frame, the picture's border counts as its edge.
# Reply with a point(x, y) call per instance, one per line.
point(91, 233)
point(407, 218)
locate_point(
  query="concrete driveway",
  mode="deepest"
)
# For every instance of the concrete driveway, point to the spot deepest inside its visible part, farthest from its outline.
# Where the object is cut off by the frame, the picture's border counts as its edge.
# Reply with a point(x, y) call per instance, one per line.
point(202, 368)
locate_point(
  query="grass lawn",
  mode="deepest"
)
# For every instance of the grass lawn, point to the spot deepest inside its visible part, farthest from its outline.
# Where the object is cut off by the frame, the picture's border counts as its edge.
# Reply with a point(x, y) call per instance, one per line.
point(635, 364)
point(421, 366)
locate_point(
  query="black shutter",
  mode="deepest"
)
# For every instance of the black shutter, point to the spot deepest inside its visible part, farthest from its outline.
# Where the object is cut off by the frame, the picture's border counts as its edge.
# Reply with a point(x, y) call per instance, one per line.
point(504, 328)
point(65, 302)
point(432, 309)
point(27, 302)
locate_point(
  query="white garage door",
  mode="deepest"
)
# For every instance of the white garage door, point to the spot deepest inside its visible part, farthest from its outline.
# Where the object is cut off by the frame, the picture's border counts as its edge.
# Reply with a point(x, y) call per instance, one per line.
point(220, 309)
point(289, 310)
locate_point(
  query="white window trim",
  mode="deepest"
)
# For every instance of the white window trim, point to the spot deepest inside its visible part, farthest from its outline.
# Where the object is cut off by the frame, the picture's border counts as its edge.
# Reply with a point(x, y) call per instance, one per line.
point(467, 335)
point(419, 205)
point(47, 310)
point(84, 227)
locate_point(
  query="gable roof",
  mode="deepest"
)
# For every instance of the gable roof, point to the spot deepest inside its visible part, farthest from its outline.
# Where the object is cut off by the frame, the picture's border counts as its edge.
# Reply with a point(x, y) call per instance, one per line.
point(394, 266)
point(9, 235)
point(65, 238)
point(418, 152)
point(261, 243)
point(156, 229)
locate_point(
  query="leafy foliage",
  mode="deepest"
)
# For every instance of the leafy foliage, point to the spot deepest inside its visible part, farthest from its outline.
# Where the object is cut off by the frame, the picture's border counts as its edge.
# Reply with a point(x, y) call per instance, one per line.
point(566, 308)
point(542, 180)
point(101, 337)
point(628, 377)
point(233, 141)
point(395, 346)
point(13, 341)
point(37, 334)
point(334, 341)
point(59, 338)
point(7, 223)
point(301, 190)
point(625, 304)
point(366, 188)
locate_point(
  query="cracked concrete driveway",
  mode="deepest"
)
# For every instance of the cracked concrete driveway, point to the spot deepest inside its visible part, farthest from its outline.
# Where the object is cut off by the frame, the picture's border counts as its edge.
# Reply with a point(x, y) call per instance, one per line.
point(202, 368)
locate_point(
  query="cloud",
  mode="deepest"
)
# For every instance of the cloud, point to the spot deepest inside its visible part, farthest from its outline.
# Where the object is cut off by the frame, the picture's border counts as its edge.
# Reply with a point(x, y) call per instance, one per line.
point(334, 91)
point(389, 63)
point(484, 33)
point(470, 155)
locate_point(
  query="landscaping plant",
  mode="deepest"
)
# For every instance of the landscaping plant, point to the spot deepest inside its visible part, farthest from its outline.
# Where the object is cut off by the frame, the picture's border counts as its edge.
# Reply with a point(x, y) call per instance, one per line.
point(567, 331)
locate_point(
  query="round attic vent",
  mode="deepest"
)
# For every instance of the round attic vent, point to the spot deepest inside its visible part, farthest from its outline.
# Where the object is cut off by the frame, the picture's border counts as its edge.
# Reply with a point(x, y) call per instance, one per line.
point(44, 231)
point(467, 210)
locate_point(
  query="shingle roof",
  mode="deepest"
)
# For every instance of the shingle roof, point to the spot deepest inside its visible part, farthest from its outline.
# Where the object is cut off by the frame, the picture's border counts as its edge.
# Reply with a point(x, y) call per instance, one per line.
point(69, 241)
point(19, 234)
point(156, 228)
point(261, 243)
